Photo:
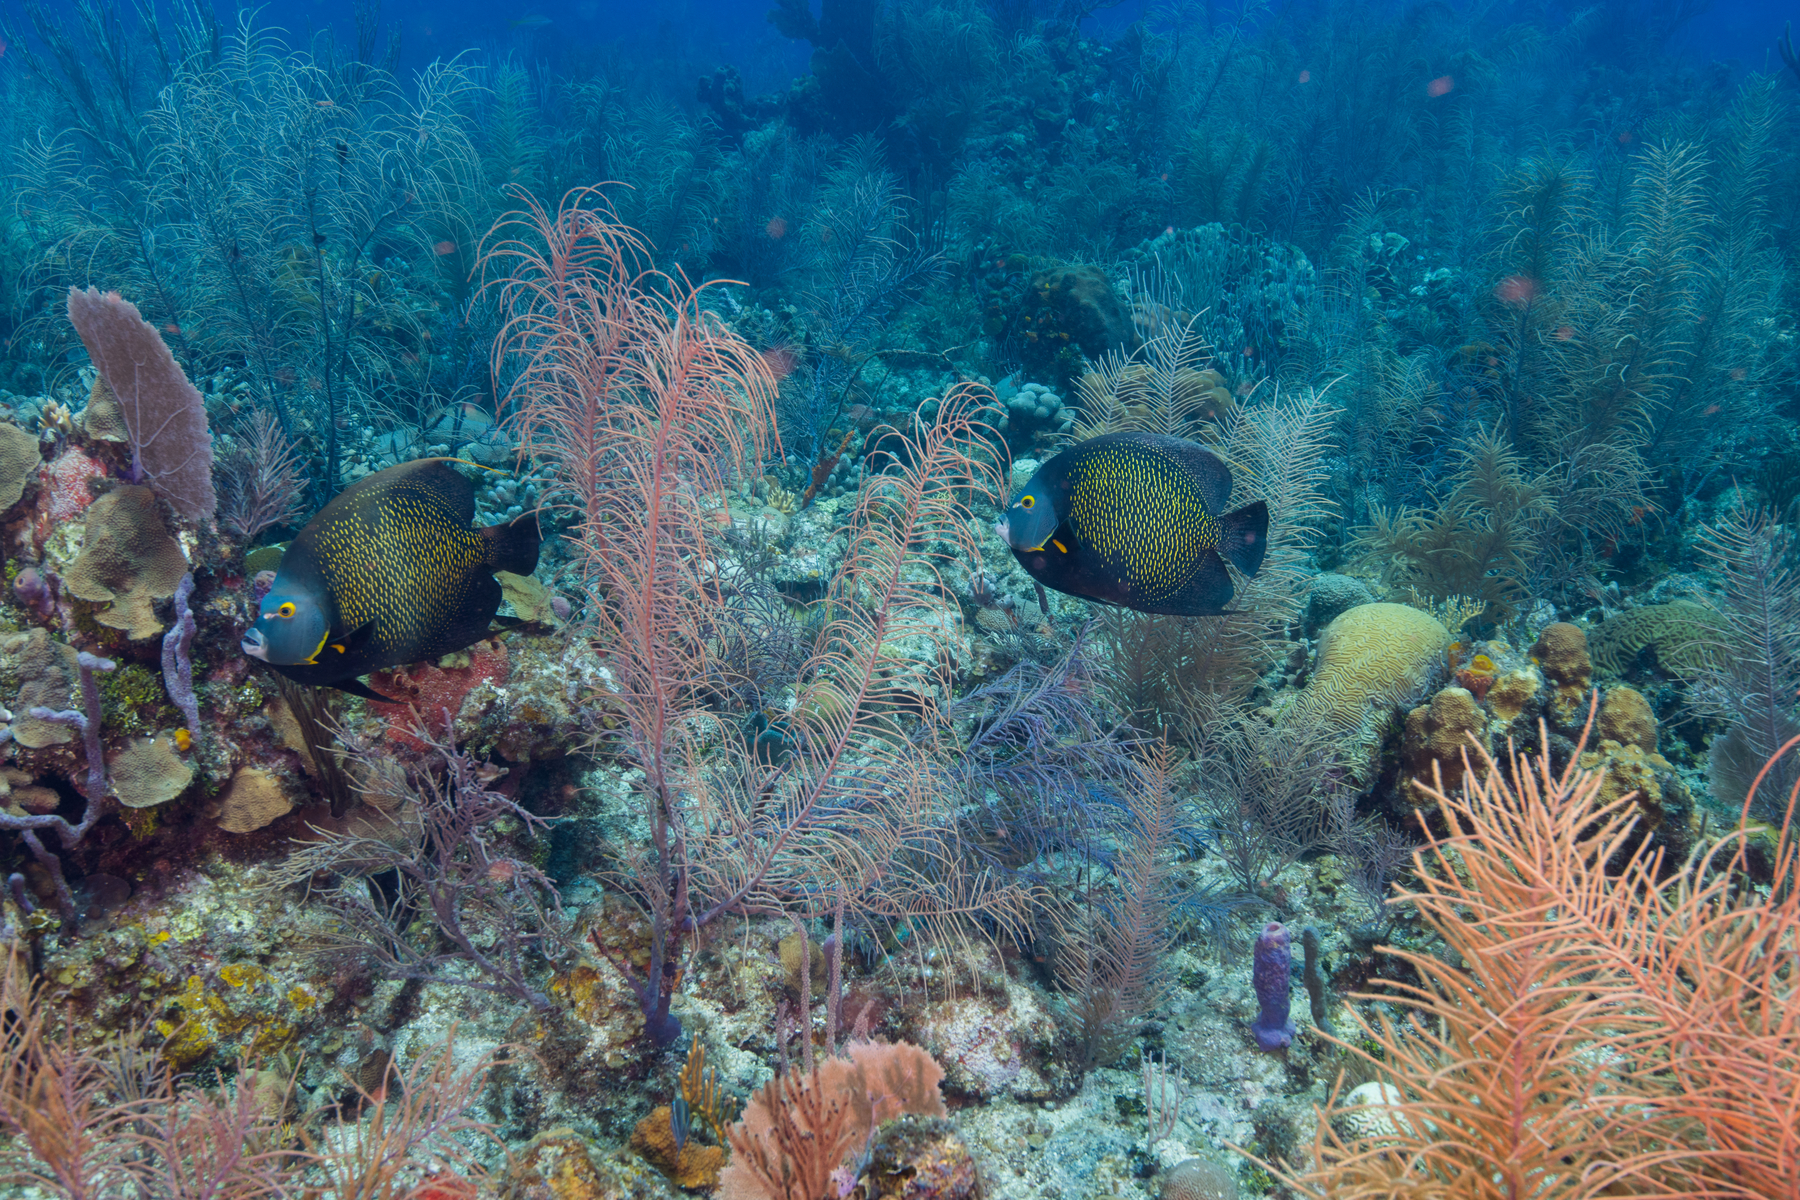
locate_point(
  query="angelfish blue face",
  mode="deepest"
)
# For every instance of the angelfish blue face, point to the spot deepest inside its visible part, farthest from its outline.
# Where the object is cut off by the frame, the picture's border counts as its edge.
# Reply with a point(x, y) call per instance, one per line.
point(1028, 524)
point(289, 629)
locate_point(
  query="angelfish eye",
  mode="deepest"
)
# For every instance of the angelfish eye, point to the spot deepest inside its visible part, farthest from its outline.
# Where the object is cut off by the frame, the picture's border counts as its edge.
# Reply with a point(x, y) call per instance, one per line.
point(1027, 501)
point(286, 610)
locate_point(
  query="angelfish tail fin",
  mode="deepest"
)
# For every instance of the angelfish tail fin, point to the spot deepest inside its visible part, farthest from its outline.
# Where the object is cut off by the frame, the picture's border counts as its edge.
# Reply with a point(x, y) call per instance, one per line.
point(513, 546)
point(1244, 537)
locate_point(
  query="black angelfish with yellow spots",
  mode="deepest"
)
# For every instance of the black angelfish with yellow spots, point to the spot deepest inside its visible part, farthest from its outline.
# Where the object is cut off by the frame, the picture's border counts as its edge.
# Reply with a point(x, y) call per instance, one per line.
point(390, 572)
point(1132, 519)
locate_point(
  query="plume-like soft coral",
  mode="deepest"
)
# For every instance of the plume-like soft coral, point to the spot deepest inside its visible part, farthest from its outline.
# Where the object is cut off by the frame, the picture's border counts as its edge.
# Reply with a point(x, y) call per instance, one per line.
point(1601, 1026)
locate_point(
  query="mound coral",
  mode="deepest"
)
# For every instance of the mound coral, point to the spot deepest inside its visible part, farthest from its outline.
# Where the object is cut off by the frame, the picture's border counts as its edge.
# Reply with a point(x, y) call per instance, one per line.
point(1373, 659)
point(1437, 736)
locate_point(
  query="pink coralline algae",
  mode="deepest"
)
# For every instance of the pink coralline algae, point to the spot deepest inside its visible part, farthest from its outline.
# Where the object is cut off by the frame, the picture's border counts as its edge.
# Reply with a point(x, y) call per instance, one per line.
point(63, 490)
point(430, 690)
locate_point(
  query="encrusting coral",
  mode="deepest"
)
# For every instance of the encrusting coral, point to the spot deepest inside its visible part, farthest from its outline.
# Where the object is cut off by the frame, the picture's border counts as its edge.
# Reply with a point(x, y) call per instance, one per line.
point(1437, 736)
point(1561, 653)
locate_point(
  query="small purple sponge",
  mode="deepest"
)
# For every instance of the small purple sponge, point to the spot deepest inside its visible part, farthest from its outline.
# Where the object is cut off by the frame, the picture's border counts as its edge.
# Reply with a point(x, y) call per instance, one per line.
point(1270, 974)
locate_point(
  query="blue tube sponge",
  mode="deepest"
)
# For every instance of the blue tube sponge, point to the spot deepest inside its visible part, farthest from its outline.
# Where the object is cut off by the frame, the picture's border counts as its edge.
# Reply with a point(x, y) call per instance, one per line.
point(1270, 974)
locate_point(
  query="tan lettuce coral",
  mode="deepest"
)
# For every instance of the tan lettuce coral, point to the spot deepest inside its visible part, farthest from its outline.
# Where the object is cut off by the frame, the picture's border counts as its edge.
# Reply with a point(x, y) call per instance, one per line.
point(19, 460)
point(147, 772)
point(127, 561)
point(252, 800)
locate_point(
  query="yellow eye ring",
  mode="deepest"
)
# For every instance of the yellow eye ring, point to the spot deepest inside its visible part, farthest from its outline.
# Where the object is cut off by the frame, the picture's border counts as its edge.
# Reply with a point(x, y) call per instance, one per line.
point(1027, 501)
point(286, 610)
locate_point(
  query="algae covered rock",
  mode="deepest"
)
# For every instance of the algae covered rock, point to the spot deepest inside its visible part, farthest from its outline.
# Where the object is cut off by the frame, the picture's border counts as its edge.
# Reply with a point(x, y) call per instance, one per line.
point(918, 1158)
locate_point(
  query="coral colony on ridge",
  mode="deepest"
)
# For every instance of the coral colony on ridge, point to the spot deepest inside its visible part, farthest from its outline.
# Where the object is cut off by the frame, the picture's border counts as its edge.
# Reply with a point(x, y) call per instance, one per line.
point(1006, 598)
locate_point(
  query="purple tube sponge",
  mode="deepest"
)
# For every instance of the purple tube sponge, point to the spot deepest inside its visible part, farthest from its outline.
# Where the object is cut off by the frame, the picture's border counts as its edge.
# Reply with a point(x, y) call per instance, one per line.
point(35, 590)
point(178, 667)
point(1270, 975)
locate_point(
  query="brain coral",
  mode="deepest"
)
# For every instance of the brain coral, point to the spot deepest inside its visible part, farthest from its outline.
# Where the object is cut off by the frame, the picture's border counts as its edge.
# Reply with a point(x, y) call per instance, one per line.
point(1673, 638)
point(1199, 1179)
point(1373, 657)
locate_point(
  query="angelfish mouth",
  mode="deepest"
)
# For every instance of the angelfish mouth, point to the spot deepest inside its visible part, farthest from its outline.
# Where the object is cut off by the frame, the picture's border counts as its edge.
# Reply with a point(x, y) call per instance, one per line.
point(255, 645)
point(1000, 527)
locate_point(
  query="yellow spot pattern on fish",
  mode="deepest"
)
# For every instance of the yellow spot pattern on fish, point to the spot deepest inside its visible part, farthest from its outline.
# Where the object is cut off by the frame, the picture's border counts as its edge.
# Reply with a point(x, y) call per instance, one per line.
point(1142, 513)
point(400, 555)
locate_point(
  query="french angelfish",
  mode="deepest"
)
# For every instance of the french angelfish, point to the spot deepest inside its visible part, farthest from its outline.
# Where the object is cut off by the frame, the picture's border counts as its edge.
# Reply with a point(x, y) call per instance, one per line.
point(390, 572)
point(1132, 519)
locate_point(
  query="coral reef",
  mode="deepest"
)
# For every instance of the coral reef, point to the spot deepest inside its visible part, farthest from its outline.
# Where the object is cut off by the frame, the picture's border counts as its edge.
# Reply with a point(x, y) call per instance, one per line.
point(779, 838)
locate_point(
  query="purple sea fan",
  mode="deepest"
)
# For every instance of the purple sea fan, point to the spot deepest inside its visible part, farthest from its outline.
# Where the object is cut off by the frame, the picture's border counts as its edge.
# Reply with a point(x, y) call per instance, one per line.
point(1269, 974)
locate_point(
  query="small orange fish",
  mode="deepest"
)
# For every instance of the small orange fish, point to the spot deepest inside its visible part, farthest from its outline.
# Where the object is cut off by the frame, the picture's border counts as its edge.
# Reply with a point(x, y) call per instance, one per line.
point(776, 228)
point(444, 247)
point(1440, 86)
point(1305, 77)
point(172, 327)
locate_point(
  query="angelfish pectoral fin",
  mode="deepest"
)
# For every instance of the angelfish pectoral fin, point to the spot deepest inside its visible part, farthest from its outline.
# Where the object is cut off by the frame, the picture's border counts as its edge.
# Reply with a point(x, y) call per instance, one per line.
point(356, 687)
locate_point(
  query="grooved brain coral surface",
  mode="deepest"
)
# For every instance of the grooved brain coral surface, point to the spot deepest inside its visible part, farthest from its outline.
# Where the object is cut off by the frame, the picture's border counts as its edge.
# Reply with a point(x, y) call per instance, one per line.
point(1373, 655)
point(1677, 634)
